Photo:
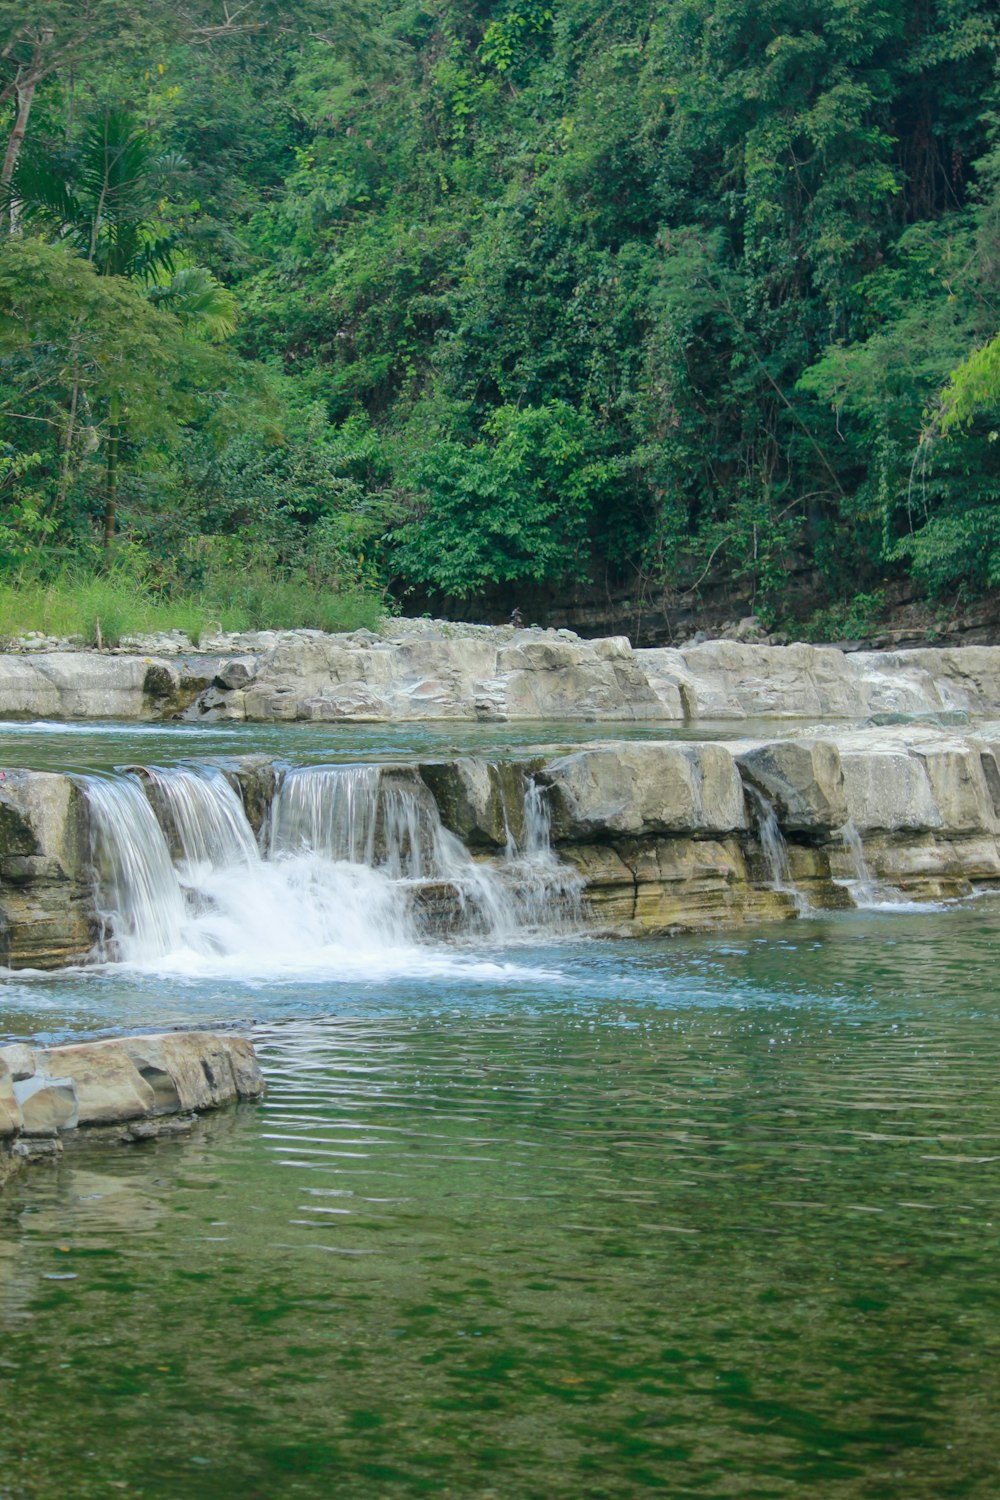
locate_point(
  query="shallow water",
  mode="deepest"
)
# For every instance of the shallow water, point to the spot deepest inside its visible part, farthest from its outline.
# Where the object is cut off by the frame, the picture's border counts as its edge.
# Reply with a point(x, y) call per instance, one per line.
point(48, 745)
point(708, 1217)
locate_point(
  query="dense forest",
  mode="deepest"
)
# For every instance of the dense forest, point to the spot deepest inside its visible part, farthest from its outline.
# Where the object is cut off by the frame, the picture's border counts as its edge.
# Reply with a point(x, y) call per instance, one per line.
point(471, 303)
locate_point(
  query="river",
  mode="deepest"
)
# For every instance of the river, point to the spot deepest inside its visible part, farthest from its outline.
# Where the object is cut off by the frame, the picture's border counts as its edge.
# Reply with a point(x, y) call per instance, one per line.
point(527, 1214)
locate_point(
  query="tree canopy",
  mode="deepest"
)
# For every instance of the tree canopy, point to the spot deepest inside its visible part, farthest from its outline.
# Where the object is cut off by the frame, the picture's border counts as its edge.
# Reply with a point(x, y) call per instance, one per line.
point(534, 295)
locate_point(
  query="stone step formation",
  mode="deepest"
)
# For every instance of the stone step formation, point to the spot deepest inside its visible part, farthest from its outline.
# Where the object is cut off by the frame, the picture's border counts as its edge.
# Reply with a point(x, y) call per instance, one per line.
point(634, 836)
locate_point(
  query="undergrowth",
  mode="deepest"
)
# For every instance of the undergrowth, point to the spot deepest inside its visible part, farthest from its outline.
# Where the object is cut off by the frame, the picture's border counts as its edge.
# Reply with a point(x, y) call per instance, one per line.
point(109, 607)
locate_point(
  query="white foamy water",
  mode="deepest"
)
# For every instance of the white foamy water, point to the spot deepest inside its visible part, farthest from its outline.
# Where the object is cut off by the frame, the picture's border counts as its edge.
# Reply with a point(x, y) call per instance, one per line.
point(356, 872)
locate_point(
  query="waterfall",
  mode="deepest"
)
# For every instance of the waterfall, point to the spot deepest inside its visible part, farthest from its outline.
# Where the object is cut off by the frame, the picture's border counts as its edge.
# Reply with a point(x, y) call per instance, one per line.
point(139, 898)
point(211, 826)
point(545, 891)
point(863, 888)
point(866, 892)
point(353, 866)
point(387, 819)
point(362, 815)
point(774, 848)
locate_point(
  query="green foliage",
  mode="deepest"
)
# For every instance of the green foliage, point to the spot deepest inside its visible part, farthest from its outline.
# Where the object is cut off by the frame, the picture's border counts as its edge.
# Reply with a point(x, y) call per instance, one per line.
point(107, 607)
point(848, 619)
point(515, 507)
point(531, 296)
point(972, 388)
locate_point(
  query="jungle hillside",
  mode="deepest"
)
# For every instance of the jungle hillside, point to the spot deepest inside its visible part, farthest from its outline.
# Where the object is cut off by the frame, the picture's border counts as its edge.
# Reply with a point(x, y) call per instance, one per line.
point(311, 309)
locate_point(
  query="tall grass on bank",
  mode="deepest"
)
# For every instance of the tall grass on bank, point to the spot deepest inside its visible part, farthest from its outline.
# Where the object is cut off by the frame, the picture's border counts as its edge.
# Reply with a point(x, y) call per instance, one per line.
point(107, 608)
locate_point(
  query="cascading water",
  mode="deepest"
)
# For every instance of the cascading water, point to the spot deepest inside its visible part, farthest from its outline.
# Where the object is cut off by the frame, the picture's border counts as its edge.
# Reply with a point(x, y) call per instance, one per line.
point(360, 815)
point(388, 821)
point(863, 889)
point(773, 847)
point(139, 898)
point(352, 866)
point(211, 826)
point(544, 889)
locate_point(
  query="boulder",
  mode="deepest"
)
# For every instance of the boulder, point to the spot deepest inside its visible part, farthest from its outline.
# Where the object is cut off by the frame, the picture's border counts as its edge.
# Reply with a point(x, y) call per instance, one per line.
point(916, 780)
point(109, 1087)
point(237, 672)
point(480, 801)
point(638, 788)
point(18, 1059)
point(46, 904)
point(86, 685)
point(802, 779)
point(959, 786)
point(47, 1104)
point(195, 1070)
point(887, 789)
point(666, 672)
point(10, 1114)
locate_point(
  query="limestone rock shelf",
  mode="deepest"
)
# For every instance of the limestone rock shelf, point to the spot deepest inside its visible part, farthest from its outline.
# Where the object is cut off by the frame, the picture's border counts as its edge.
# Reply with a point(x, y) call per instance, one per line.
point(418, 670)
point(129, 1089)
point(664, 835)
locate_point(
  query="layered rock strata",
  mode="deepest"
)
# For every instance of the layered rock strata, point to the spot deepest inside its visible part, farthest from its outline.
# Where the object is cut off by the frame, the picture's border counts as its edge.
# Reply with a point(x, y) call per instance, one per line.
point(429, 670)
point(664, 835)
point(133, 1088)
point(47, 916)
point(91, 685)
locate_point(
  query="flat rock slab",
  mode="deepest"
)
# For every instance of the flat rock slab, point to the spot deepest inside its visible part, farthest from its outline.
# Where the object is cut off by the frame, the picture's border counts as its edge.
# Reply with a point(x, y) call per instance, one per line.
point(416, 670)
point(131, 1081)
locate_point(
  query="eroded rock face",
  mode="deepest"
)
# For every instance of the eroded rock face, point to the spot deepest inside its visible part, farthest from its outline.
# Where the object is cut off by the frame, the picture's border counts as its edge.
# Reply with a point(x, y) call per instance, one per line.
point(534, 674)
point(804, 780)
point(659, 831)
point(255, 778)
point(916, 781)
point(46, 915)
point(88, 685)
point(644, 788)
point(10, 1114)
point(433, 670)
point(481, 801)
point(47, 1105)
point(195, 1070)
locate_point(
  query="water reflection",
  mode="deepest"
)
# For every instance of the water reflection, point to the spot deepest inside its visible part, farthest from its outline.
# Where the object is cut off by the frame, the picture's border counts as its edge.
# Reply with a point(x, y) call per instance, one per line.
point(725, 1225)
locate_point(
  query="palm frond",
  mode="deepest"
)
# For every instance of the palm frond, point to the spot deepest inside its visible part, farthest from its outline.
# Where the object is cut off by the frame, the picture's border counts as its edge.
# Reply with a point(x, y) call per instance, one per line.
point(43, 196)
point(195, 297)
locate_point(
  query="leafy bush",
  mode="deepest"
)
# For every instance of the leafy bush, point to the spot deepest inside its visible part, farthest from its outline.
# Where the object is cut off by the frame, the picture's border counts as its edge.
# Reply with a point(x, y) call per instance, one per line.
point(848, 619)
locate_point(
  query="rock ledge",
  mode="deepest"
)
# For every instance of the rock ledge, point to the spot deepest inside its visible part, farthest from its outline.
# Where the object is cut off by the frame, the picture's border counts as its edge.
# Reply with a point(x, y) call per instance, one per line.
point(128, 1088)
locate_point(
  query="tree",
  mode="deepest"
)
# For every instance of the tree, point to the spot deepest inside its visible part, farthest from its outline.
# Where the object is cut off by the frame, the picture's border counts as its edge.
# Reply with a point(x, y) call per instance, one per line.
point(103, 200)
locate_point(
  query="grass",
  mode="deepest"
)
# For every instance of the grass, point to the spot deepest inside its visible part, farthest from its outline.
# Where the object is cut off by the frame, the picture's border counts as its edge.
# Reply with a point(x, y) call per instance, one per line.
point(76, 604)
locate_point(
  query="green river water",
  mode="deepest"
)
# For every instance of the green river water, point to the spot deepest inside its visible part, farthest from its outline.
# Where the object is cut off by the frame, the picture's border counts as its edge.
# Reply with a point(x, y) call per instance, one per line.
point(712, 1217)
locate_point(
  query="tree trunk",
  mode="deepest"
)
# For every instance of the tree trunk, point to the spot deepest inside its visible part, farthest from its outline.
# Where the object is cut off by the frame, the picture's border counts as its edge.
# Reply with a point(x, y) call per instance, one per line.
point(67, 454)
point(25, 93)
point(111, 489)
point(65, 467)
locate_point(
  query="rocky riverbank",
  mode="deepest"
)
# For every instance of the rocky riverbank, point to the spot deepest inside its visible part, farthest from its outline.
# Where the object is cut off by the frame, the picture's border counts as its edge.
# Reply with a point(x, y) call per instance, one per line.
point(662, 835)
point(135, 1088)
point(425, 669)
